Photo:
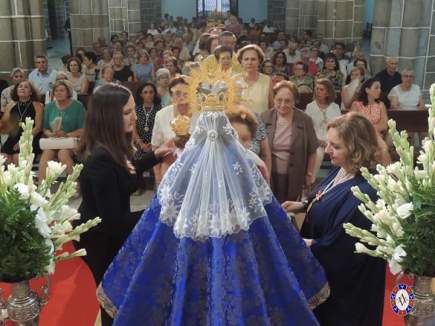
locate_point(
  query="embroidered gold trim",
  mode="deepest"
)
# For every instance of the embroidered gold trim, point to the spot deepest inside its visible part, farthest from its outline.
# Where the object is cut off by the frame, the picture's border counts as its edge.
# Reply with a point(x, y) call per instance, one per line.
point(320, 297)
point(105, 302)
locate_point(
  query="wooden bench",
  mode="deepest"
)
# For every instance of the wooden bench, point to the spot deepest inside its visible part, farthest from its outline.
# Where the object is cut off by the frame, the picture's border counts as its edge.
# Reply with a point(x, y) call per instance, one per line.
point(411, 120)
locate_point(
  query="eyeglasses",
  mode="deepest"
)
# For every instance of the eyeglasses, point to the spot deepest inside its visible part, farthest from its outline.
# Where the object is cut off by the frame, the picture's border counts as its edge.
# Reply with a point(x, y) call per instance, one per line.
point(408, 76)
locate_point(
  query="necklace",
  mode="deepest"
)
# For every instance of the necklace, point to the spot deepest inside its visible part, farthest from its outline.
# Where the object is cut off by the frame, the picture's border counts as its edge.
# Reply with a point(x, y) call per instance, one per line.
point(26, 106)
point(147, 115)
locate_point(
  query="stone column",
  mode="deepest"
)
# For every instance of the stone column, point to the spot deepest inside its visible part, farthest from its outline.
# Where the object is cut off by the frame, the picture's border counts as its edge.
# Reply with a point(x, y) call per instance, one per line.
point(151, 12)
point(124, 15)
point(308, 16)
point(22, 34)
point(89, 21)
point(405, 29)
point(340, 20)
point(276, 12)
point(292, 17)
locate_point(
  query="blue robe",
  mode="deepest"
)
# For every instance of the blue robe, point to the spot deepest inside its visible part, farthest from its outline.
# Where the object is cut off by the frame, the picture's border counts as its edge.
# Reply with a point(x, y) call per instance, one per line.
point(357, 281)
point(263, 276)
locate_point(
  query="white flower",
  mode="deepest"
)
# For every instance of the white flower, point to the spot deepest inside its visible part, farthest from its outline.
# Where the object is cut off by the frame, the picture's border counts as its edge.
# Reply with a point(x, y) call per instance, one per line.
point(41, 223)
point(394, 266)
point(69, 213)
point(36, 201)
point(23, 190)
point(394, 168)
point(360, 248)
point(51, 267)
point(54, 169)
point(399, 253)
point(405, 210)
point(397, 229)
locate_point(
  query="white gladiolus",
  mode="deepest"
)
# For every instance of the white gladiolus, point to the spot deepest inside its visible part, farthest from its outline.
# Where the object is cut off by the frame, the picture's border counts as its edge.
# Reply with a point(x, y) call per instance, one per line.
point(361, 249)
point(23, 190)
point(399, 253)
point(394, 168)
point(36, 201)
point(41, 223)
point(395, 267)
point(54, 169)
point(405, 210)
point(69, 213)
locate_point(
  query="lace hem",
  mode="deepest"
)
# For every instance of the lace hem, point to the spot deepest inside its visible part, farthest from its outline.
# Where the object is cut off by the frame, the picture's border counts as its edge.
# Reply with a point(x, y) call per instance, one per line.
point(320, 297)
point(105, 302)
point(214, 189)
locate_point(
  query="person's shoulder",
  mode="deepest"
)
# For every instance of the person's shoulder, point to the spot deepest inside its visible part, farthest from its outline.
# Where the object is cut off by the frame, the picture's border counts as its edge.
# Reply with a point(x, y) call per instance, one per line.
point(264, 78)
point(33, 73)
point(268, 115)
point(415, 88)
point(164, 112)
point(311, 107)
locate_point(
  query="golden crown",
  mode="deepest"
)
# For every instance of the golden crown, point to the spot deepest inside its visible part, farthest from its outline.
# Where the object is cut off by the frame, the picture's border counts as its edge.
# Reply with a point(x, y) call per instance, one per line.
point(210, 91)
point(181, 125)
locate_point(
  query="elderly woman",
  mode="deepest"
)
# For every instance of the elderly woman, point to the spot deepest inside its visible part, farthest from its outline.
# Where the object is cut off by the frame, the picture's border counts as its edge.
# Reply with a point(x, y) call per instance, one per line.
point(163, 77)
point(64, 117)
point(293, 142)
point(258, 91)
point(406, 95)
point(223, 55)
point(78, 79)
point(322, 111)
point(352, 144)
point(303, 81)
point(162, 131)
point(24, 105)
point(17, 75)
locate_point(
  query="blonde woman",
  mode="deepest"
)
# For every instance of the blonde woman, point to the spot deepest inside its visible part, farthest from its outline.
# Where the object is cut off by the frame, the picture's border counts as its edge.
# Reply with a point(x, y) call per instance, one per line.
point(322, 111)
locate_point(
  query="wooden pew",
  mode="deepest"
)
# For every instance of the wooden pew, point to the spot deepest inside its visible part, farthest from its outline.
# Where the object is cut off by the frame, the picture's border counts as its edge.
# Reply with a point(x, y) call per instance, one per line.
point(411, 120)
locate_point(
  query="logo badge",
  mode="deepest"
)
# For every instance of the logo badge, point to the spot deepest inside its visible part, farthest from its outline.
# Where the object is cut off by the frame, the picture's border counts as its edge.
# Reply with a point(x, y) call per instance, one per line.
point(402, 299)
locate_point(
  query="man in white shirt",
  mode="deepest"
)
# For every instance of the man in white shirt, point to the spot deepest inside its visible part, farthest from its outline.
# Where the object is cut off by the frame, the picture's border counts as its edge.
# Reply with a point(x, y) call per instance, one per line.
point(292, 54)
point(42, 77)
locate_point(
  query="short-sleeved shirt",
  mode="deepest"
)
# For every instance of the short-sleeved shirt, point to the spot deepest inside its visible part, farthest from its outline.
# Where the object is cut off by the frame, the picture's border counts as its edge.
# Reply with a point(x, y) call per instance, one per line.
point(73, 117)
point(407, 99)
point(162, 130)
point(321, 118)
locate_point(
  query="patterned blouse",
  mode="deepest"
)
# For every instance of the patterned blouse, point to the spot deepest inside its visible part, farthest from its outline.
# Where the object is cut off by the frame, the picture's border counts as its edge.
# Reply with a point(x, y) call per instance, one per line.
point(336, 79)
point(145, 123)
point(259, 136)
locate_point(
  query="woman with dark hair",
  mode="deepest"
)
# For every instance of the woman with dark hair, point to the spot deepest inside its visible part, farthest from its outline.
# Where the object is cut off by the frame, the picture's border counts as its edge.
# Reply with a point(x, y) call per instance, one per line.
point(331, 70)
point(90, 70)
point(121, 72)
point(279, 62)
point(110, 175)
point(149, 104)
point(368, 103)
point(78, 79)
point(352, 144)
point(25, 104)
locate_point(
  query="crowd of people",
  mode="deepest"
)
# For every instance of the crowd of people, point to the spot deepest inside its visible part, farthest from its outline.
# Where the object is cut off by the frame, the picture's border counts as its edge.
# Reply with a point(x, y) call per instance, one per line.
point(292, 138)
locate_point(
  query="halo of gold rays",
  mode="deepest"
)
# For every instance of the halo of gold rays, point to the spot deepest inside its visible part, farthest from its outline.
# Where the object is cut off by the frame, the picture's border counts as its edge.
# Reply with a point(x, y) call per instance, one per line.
point(200, 75)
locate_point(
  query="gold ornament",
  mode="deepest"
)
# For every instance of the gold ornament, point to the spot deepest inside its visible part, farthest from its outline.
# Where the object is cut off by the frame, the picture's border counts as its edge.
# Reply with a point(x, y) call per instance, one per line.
point(210, 91)
point(181, 125)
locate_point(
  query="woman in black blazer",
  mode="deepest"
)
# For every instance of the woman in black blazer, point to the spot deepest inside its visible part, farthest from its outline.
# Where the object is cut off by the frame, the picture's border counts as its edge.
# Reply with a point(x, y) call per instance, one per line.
point(110, 175)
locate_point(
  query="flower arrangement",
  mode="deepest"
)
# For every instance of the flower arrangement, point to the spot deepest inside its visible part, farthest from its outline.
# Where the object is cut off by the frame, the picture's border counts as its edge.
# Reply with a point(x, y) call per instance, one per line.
point(34, 222)
point(403, 229)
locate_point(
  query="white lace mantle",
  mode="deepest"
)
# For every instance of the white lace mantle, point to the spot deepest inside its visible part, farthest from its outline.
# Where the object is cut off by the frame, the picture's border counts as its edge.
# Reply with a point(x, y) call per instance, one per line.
point(213, 189)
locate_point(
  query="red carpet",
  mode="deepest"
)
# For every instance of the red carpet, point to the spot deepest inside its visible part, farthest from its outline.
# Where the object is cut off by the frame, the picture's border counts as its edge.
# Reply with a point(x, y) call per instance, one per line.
point(73, 302)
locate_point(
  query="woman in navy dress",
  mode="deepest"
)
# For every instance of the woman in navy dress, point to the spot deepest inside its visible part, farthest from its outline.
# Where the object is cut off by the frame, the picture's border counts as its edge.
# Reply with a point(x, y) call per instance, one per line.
point(357, 281)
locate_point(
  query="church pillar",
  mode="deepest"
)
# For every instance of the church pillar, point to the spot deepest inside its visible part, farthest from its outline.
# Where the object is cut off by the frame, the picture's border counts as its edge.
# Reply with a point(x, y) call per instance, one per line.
point(124, 15)
point(396, 32)
point(89, 21)
point(22, 34)
point(151, 12)
point(340, 20)
point(276, 11)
